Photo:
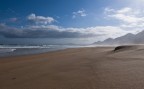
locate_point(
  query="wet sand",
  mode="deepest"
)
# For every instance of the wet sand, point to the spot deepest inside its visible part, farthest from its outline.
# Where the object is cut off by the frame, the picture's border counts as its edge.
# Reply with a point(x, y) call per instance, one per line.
point(81, 68)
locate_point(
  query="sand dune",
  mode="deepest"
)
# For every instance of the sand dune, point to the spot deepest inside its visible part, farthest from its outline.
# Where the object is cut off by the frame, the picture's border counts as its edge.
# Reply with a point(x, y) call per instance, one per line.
point(128, 51)
point(119, 67)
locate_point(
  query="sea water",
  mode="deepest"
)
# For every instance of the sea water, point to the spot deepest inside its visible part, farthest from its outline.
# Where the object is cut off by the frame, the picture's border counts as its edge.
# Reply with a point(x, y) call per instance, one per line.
point(14, 50)
point(25, 46)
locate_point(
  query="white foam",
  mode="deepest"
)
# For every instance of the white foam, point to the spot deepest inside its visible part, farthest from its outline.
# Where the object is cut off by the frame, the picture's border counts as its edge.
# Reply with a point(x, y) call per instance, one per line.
point(19, 46)
point(3, 50)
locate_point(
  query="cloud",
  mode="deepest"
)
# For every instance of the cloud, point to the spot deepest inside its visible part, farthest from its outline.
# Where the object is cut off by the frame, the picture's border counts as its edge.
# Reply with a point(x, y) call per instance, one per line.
point(128, 17)
point(48, 31)
point(81, 13)
point(52, 31)
point(40, 19)
point(131, 21)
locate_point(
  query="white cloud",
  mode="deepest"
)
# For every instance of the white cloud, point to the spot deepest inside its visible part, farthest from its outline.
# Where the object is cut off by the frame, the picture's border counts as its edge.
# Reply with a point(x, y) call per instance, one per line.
point(124, 10)
point(81, 13)
point(127, 16)
point(40, 19)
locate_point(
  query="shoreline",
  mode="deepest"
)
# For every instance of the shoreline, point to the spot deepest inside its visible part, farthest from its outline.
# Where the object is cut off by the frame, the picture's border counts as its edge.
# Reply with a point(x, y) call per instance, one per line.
point(9, 54)
point(51, 51)
point(5, 52)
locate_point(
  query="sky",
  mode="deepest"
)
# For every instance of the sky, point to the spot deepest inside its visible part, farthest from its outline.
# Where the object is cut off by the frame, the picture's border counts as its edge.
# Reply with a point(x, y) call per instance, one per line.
point(99, 19)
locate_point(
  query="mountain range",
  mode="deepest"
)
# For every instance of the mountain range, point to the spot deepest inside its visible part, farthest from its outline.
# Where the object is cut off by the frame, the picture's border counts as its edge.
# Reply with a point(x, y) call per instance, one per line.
point(124, 40)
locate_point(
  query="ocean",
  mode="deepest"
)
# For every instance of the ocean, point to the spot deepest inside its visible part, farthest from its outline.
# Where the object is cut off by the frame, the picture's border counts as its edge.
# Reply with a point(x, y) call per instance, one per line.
point(25, 46)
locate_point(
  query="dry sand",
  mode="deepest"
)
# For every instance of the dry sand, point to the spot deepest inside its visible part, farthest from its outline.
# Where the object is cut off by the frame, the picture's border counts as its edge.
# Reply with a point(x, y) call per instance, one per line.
point(82, 68)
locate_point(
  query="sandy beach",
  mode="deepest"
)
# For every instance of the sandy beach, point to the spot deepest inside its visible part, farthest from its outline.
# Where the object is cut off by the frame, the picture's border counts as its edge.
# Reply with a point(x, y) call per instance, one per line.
point(81, 68)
